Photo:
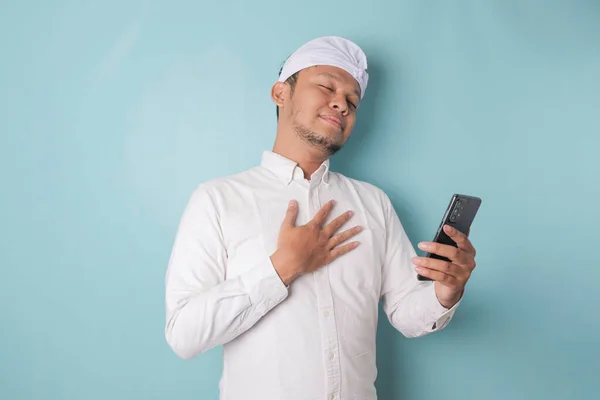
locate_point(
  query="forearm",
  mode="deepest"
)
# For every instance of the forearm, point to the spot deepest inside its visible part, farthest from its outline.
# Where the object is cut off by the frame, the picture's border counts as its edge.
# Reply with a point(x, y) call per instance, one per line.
point(418, 312)
point(199, 321)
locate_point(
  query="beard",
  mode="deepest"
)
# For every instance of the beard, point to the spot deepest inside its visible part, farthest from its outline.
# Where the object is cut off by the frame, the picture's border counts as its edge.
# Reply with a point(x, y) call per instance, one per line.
point(318, 140)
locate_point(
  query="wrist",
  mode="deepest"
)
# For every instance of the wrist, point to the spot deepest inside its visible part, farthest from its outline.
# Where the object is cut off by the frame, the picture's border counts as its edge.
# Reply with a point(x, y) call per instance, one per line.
point(448, 299)
point(284, 267)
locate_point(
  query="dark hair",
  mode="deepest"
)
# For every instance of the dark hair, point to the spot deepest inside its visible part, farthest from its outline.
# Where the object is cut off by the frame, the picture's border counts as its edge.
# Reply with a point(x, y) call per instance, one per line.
point(292, 82)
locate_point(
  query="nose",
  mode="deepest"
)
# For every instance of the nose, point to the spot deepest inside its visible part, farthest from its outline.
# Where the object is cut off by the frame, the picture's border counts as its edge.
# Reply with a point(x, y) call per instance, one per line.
point(338, 103)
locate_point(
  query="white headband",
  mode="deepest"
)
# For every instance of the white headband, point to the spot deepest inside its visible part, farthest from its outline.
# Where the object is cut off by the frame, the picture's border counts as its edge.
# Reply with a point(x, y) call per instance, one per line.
point(329, 50)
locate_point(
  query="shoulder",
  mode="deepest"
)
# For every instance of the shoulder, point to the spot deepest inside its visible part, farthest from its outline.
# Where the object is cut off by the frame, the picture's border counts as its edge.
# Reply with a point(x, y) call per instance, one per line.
point(232, 182)
point(217, 191)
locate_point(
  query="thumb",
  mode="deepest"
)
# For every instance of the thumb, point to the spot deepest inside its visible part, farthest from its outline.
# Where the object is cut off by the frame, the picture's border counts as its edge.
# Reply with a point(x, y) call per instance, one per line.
point(291, 214)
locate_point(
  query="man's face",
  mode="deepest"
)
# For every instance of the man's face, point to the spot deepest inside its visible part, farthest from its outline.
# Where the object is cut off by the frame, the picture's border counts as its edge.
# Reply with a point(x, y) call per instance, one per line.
point(322, 107)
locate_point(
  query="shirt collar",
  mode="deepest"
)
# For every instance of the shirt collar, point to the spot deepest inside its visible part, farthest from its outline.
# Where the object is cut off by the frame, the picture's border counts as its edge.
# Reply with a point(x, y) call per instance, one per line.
point(284, 168)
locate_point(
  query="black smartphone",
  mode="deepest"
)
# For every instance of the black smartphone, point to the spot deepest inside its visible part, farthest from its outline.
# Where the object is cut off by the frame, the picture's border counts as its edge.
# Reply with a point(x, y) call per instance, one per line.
point(460, 215)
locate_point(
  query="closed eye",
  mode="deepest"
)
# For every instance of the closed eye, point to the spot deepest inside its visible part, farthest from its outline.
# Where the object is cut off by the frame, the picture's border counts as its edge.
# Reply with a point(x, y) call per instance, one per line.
point(331, 90)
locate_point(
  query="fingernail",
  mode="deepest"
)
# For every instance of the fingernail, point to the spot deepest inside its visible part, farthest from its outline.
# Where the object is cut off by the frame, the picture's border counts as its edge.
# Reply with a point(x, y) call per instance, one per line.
point(449, 229)
point(350, 213)
point(416, 260)
point(292, 203)
point(359, 228)
point(424, 246)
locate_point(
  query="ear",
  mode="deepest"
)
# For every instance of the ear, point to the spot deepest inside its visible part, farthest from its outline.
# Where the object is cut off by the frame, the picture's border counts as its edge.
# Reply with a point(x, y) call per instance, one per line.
point(279, 93)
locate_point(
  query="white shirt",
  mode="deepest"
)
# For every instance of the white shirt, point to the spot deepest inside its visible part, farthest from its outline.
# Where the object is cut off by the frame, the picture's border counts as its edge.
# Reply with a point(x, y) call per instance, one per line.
point(316, 338)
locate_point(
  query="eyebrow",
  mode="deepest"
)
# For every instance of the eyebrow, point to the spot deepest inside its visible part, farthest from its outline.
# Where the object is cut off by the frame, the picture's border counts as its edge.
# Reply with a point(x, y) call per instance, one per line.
point(337, 78)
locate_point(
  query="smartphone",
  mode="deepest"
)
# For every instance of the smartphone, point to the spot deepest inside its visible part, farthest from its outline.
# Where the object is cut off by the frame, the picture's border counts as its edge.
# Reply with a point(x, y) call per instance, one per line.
point(460, 215)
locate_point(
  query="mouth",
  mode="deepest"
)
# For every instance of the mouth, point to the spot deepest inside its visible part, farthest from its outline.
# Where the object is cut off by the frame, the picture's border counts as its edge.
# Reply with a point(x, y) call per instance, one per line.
point(332, 120)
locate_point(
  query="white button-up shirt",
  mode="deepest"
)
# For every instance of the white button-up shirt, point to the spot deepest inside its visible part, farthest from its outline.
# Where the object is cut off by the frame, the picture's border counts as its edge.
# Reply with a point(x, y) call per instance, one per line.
point(315, 339)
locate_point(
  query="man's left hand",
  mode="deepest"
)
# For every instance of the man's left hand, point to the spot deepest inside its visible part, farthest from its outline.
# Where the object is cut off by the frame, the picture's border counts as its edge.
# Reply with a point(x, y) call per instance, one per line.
point(450, 276)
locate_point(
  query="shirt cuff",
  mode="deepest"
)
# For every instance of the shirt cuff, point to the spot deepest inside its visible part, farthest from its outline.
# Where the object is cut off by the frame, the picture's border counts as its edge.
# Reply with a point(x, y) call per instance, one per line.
point(439, 315)
point(264, 286)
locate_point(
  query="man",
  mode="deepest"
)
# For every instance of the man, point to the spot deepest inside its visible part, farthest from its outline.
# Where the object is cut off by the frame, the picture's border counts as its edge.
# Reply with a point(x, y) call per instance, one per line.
point(284, 264)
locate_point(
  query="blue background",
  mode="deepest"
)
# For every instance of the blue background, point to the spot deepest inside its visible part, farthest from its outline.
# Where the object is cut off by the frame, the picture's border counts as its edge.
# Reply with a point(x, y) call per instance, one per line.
point(112, 112)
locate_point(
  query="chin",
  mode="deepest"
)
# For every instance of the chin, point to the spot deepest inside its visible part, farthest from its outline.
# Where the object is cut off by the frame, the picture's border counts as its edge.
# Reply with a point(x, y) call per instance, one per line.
point(332, 138)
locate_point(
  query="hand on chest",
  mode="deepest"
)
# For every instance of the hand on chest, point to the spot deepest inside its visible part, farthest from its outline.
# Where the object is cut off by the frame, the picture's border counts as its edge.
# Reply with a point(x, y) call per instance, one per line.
point(251, 232)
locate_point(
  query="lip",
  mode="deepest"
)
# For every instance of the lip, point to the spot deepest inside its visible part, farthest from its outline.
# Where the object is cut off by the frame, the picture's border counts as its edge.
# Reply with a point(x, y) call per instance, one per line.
point(332, 120)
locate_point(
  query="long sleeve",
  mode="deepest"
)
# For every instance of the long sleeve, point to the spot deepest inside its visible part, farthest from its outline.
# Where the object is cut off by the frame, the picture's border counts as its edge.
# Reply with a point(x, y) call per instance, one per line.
point(203, 309)
point(411, 305)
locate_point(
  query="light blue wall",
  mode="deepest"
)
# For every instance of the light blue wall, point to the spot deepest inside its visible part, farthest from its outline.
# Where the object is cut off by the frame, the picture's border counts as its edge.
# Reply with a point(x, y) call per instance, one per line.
point(112, 112)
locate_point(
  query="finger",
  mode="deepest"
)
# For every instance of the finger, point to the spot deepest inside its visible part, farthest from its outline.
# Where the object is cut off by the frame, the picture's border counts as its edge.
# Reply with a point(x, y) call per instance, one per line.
point(341, 250)
point(455, 254)
point(342, 237)
point(460, 238)
point(291, 214)
point(337, 223)
point(439, 276)
point(443, 266)
point(321, 215)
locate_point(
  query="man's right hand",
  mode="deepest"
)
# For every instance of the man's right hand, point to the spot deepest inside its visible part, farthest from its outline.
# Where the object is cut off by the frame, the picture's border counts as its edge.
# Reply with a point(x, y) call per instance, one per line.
point(303, 249)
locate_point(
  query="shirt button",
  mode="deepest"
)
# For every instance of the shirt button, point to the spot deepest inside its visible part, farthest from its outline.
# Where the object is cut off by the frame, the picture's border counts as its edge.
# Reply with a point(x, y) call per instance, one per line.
point(331, 357)
point(326, 314)
point(332, 397)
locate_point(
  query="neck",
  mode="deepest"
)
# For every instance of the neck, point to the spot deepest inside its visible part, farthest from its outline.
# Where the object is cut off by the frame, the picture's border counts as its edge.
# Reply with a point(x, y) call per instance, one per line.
point(290, 145)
